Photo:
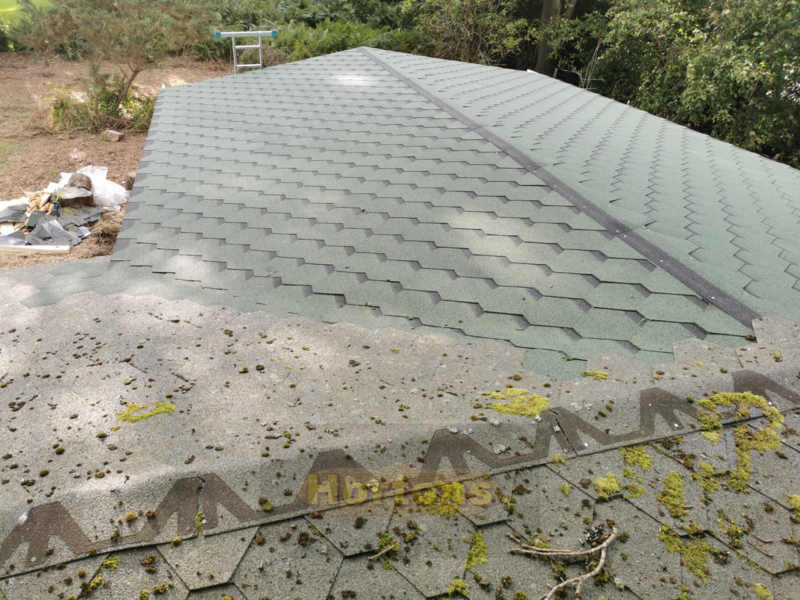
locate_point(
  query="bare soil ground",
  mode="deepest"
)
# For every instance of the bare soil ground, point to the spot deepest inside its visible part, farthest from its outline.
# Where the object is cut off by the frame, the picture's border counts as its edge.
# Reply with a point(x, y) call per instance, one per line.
point(31, 155)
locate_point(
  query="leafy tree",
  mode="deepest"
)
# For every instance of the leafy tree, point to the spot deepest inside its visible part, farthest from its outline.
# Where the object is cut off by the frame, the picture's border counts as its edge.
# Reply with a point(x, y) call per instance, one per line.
point(729, 68)
point(476, 31)
point(128, 34)
point(552, 10)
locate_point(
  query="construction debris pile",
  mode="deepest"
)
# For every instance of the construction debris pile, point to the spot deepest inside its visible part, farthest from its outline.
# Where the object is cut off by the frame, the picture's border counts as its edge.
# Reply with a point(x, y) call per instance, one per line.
point(59, 217)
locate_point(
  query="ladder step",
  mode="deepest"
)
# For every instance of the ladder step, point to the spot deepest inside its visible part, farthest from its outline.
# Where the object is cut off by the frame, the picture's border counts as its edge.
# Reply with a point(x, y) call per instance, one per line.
point(248, 47)
point(245, 66)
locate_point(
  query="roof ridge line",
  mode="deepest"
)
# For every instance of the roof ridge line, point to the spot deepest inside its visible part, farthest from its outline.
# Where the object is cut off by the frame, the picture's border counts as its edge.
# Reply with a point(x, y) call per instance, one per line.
point(707, 290)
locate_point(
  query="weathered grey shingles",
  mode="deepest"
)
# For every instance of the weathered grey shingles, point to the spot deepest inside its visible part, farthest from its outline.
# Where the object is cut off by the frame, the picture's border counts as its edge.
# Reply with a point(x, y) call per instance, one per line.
point(329, 188)
point(728, 214)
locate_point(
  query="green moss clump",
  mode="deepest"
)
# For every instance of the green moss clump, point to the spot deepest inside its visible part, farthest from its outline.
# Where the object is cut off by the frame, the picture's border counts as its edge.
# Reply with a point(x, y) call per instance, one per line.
point(706, 478)
point(671, 497)
point(792, 542)
point(607, 486)
point(598, 375)
point(508, 393)
point(746, 439)
point(537, 541)
point(478, 552)
point(95, 583)
point(566, 488)
point(794, 503)
point(523, 403)
point(385, 542)
point(762, 592)
point(637, 456)
point(709, 418)
point(459, 587)
point(144, 595)
point(684, 595)
point(198, 522)
point(128, 416)
point(112, 562)
point(446, 503)
point(559, 460)
point(634, 490)
point(693, 554)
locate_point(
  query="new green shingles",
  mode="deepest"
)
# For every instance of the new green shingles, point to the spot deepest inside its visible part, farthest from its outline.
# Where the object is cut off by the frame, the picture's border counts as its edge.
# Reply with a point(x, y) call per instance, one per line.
point(726, 214)
point(330, 188)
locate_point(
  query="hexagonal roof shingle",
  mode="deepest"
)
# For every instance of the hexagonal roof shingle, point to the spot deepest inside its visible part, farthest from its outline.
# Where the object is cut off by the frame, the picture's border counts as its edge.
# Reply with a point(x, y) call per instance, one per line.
point(392, 190)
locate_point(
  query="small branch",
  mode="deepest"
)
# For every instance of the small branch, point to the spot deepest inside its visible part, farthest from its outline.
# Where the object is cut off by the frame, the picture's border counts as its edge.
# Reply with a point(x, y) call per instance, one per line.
point(552, 553)
point(764, 552)
point(760, 539)
point(385, 550)
point(578, 581)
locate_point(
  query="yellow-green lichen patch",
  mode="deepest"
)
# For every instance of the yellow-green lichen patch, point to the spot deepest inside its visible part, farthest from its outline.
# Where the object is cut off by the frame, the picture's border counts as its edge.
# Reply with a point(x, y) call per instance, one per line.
point(634, 490)
point(130, 416)
point(693, 553)
point(607, 486)
point(458, 587)
point(199, 522)
point(710, 415)
point(671, 497)
point(794, 503)
point(684, 595)
point(629, 473)
point(763, 592)
point(523, 403)
point(598, 375)
point(728, 527)
point(96, 582)
point(566, 488)
point(559, 460)
point(112, 562)
point(746, 439)
point(446, 502)
point(706, 478)
point(387, 545)
point(478, 552)
point(637, 456)
point(538, 541)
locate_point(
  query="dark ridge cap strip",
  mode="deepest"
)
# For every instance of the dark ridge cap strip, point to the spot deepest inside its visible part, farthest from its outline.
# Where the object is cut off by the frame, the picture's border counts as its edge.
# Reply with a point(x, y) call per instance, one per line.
point(707, 290)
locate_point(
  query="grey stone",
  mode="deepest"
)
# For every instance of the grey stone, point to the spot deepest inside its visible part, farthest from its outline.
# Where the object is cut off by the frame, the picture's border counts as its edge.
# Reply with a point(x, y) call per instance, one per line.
point(79, 180)
point(109, 135)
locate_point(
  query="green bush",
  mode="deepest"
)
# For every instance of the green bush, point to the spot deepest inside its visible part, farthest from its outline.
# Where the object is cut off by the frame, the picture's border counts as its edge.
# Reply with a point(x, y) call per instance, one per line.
point(476, 31)
point(729, 68)
point(93, 107)
point(300, 40)
point(236, 15)
point(310, 27)
point(5, 37)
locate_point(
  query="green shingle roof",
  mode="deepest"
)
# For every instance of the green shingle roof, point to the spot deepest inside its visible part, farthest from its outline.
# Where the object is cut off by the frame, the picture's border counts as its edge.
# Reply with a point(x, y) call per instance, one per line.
point(391, 190)
point(730, 216)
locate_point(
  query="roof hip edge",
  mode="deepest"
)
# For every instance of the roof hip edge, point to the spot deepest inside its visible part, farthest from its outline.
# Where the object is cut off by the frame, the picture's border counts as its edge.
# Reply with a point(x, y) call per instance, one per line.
point(707, 290)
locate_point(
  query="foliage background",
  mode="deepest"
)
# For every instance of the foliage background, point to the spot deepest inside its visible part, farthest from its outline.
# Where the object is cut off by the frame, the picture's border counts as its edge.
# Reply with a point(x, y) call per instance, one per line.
point(729, 68)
